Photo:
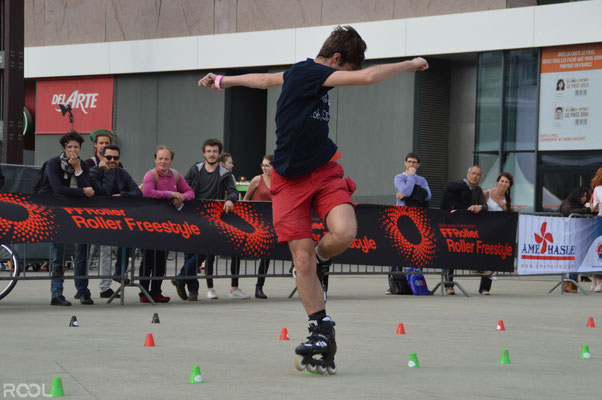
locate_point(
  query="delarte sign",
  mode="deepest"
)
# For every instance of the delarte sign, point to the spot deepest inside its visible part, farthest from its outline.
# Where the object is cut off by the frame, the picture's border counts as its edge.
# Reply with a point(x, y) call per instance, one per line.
point(91, 102)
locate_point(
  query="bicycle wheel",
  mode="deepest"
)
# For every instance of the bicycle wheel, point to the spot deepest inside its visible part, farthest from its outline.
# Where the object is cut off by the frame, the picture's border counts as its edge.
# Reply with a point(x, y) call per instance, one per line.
point(9, 268)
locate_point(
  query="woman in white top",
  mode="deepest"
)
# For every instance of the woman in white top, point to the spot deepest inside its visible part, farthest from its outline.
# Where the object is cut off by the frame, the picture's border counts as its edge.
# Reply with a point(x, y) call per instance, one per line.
point(596, 207)
point(498, 199)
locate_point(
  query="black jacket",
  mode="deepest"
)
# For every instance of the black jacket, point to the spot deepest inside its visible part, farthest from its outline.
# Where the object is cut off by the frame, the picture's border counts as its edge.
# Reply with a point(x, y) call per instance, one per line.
point(226, 185)
point(115, 181)
point(57, 183)
point(458, 196)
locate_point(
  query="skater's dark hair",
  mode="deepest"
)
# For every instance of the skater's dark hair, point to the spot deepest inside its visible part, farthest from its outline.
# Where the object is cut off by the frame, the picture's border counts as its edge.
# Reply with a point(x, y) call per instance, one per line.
point(213, 142)
point(346, 41)
point(413, 155)
point(69, 136)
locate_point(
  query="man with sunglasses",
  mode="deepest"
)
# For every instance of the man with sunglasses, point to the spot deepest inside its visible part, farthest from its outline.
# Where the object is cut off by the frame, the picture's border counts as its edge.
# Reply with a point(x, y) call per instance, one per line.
point(109, 179)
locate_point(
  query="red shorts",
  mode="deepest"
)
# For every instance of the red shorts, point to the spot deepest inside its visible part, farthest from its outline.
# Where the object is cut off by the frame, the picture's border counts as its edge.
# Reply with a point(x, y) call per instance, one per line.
point(294, 198)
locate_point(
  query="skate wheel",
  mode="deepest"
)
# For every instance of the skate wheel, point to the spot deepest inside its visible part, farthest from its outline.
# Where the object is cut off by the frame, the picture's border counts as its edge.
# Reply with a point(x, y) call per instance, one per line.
point(299, 364)
point(311, 368)
point(332, 370)
point(321, 369)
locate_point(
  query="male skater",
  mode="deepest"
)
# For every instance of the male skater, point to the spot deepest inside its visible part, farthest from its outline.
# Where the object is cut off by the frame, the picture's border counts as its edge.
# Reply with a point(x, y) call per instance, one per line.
point(305, 177)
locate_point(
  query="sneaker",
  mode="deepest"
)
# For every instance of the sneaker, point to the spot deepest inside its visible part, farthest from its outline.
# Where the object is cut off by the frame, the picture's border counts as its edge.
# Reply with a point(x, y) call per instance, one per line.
point(450, 291)
point(86, 300)
point(60, 301)
point(77, 296)
point(388, 291)
point(181, 290)
point(108, 293)
point(238, 294)
point(159, 298)
point(192, 296)
point(144, 299)
point(211, 294)
point(485, 293)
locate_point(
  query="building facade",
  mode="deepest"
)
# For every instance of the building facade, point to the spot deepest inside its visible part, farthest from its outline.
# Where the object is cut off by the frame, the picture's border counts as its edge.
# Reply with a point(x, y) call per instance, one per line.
point(132, 67)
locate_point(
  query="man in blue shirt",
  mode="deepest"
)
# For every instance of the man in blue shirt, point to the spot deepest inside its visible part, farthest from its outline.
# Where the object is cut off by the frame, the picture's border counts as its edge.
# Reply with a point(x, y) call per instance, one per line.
point(305, 176)
point(412, 190)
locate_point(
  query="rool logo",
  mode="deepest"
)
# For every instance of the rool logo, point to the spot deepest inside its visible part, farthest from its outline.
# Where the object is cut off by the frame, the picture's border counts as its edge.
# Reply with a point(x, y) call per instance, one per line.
point(545, 238)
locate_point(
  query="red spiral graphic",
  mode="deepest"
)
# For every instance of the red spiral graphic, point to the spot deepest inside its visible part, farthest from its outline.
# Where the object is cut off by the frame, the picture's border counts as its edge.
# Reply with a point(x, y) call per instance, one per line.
point(254, 244)
point(419, 254)
point(38, 226)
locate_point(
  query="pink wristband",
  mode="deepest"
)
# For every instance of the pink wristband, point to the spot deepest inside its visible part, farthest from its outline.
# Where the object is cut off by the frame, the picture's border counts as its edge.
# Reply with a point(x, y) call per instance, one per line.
point(218, 79)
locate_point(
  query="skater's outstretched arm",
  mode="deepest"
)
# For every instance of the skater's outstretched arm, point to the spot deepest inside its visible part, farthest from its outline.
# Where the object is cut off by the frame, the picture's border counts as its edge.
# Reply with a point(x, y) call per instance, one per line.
point(374, 74)
point(255, 81)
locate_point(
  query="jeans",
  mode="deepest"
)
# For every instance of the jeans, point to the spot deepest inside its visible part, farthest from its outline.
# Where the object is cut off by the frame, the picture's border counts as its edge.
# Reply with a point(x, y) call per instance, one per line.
point(153, 264)
point(105, 264)
point(190, 268)
point(81, 258)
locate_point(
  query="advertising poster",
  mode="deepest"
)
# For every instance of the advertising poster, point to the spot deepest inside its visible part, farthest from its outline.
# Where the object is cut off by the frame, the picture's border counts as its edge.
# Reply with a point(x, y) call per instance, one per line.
point(570, 113)
point(91, 102)
point(550, 245)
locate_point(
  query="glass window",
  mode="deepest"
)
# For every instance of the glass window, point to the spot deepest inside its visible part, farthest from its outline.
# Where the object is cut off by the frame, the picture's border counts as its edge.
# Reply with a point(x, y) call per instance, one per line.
point(491, 168)
point(489, 101)
point(521, 74)
point(522, 168)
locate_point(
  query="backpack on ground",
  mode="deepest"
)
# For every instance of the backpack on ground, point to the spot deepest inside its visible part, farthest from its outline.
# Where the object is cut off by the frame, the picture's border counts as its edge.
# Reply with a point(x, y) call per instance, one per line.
point(398, 284)
point(417, 283)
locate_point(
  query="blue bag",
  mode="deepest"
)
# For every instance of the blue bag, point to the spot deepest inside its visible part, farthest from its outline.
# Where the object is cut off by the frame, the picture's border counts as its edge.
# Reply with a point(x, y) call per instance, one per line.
point(417, 283)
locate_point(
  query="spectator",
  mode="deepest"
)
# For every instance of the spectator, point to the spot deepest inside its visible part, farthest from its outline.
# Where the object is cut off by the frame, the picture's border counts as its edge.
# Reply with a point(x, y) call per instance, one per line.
point(498, 199)
point(67, 175)
point(209, 181)
point(412, 191)
point(162, 182)
point(463, 195)
point(596, 208)
point(575, 203)
point(108, 179)
point(101, 139)
point(1, 178)
point(259, 190)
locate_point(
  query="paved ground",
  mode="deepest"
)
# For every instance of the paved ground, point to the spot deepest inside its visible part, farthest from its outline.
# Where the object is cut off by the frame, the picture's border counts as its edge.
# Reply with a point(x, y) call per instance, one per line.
point(236, 344)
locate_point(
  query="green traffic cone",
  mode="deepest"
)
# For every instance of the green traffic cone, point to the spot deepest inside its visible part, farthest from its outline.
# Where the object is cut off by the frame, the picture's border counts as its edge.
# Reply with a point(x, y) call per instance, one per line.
point(585, 354)
point(195, 375)
point(56, 390)
point(505, 357)
point(413, 362)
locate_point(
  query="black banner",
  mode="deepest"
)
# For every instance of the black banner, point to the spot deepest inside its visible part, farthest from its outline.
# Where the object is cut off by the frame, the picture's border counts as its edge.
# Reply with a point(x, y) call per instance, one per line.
point(387, 235)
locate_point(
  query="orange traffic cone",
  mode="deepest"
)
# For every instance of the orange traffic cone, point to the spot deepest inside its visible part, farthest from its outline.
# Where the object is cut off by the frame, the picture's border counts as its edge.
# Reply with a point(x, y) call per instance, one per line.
point(590, 323)
point(284, 334)
point(500, 326)
point(400, 329)
point(150, 342)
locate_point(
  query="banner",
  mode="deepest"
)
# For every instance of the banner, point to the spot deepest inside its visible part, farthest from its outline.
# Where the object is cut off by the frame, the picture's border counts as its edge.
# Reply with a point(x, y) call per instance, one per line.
point(91, 102)
point(387, 235)
point(548, 245)
point(570, 111)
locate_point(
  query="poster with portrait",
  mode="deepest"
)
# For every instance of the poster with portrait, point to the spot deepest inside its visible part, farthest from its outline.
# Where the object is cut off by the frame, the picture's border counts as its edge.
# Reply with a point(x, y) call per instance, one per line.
point(570, 112)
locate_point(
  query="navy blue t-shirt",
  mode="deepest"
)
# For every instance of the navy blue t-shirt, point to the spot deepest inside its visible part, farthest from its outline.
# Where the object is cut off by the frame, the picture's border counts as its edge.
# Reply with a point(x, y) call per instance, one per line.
point(302, 115)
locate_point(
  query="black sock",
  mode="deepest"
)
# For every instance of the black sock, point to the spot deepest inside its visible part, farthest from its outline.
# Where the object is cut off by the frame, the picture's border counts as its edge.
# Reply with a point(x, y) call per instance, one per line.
point(318, 316)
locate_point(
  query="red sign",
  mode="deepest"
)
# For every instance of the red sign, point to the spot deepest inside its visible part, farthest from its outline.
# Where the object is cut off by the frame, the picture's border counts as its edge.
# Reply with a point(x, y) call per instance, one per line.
point(91, 102)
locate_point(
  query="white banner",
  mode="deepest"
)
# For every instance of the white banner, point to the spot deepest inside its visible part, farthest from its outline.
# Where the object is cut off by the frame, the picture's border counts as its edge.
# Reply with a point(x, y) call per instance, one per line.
point(570, 107)
point(550, 245)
